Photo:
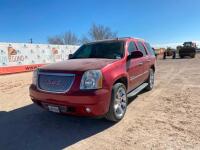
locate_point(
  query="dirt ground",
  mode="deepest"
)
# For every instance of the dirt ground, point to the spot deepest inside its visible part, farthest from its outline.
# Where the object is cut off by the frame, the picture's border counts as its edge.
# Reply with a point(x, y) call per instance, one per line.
point(168, 117)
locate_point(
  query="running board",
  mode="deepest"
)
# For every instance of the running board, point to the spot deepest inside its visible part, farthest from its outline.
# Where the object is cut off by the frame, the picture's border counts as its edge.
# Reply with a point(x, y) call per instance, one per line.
point(137, 90)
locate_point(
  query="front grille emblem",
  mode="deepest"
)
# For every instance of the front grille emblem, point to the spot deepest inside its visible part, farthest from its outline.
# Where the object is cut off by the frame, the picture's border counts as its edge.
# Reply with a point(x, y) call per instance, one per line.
point(55, 82)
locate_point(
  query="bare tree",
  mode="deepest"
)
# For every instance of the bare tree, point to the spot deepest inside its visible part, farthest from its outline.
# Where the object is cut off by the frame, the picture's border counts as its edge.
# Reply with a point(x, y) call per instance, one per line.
point(68, 38)
point(56, 40)
point(100, 32)
point(96, 32)
point(84, 39)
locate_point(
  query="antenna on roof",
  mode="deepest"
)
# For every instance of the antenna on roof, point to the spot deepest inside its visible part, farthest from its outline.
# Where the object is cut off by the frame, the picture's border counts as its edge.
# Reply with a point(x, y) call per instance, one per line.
point(139, 39)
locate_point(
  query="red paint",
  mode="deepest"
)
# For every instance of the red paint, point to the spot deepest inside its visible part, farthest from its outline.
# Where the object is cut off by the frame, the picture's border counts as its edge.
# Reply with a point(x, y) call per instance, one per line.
point(79, 64)
point(97, 100)
point(17, 69)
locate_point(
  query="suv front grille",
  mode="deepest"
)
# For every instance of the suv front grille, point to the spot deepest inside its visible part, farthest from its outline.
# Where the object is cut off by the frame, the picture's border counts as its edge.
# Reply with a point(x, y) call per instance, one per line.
point(55, 82)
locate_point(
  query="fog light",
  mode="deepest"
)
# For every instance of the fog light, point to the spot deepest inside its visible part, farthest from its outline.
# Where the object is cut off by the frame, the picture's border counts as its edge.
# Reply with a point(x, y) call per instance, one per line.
point(88, 110)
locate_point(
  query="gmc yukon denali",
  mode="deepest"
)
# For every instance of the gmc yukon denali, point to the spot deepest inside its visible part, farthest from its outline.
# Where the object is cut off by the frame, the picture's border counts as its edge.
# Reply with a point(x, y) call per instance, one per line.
point(97, 79)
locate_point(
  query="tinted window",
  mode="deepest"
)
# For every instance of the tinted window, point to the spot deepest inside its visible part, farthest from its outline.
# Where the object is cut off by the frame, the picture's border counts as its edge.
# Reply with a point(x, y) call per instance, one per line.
point(84, 52)
point(131, 47)
point(109, 50)
point(142, 49)
point(149, 48)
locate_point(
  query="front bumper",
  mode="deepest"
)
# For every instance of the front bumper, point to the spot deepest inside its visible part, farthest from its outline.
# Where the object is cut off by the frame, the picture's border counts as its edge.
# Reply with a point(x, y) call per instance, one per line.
point(97, 101)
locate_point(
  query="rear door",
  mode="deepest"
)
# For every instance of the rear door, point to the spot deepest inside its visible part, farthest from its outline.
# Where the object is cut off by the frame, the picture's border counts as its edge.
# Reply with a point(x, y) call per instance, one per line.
point(134, 68)
point(151, 54)
point(145, 61)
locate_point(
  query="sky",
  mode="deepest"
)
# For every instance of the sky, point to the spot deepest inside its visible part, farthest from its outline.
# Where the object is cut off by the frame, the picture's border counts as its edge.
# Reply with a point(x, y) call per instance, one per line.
point(157, 21)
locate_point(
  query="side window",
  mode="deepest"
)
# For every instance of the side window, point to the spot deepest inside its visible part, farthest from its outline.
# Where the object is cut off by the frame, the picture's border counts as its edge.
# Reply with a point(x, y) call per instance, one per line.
point(141, 48)
point(149, 49)
point(131, 47)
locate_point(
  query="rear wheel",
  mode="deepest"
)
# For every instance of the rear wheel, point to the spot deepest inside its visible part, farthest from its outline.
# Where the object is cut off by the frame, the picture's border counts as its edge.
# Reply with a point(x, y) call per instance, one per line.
point(150, 80)
point(174, 55)
point(193, 55)
point(164, 55)
point(118, 103)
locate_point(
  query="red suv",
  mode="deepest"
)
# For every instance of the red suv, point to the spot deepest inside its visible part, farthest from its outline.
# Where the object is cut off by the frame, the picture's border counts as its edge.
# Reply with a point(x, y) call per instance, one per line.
point(97, 79)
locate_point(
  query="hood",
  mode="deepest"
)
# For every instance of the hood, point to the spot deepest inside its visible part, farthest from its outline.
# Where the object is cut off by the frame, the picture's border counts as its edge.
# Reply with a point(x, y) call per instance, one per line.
point(79, 64)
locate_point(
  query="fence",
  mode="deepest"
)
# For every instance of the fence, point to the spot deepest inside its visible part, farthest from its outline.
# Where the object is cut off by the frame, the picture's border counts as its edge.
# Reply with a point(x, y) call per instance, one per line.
point(19, 57)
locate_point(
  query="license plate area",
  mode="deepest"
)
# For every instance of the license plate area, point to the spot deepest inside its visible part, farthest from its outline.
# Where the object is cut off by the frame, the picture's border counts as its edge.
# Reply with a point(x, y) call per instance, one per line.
point(54, 109)
point(58, 108)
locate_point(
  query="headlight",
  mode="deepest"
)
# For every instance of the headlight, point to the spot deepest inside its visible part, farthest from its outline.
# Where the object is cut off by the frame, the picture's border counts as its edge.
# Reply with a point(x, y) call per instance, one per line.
point(91, 79)
point(34, 78)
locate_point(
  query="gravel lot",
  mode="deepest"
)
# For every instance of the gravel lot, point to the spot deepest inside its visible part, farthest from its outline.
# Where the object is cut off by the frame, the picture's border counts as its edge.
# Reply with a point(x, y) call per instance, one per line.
point(166, 118)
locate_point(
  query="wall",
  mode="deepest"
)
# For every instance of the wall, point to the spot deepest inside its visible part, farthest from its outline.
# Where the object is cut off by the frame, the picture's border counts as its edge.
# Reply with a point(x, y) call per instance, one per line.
point(19, 57)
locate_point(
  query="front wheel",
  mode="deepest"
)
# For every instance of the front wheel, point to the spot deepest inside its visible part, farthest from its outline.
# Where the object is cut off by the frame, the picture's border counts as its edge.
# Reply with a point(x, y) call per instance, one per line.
point(118, 103)
point(150, 80)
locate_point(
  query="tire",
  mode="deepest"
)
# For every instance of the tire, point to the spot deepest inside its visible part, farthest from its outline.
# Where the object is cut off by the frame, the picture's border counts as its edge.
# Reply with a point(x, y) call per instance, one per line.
point(164, 55)
point(174, 55)
point(193, 56)
point(181, 56)
point(150, 80)
point(118, 103)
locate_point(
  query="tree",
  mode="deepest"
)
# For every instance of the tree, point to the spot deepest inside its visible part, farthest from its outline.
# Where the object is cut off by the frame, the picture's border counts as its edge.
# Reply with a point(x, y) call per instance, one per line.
point(84, 39)
point(56, 40)
point(68, 38)
point(96, 32)
point(100, 32)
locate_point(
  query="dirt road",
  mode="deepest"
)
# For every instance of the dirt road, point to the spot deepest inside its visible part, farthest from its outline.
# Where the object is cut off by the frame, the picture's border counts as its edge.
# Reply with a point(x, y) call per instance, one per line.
point(166, 118)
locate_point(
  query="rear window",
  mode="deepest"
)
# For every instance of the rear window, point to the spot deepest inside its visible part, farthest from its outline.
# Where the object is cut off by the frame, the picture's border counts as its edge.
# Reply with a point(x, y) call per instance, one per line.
point(141, 48)
point(150, 49)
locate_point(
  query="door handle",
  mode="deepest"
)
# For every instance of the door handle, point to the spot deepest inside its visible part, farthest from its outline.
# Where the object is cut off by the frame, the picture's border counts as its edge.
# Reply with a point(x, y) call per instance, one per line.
point(140, 63)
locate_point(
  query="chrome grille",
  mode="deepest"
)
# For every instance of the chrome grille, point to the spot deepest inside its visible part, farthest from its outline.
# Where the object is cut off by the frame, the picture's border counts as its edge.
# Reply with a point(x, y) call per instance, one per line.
point(55, 82)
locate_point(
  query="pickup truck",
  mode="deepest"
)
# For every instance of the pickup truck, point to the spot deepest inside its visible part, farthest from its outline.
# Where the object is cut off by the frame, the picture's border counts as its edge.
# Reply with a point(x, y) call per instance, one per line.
point(97, 79)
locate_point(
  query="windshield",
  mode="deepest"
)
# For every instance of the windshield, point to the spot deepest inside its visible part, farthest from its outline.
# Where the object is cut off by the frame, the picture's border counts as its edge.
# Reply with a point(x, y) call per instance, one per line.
point(188, 44)
point(108, 50)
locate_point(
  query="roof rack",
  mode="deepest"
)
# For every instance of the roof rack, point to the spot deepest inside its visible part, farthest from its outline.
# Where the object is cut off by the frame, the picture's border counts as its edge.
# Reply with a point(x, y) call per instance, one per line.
point(103, 40)
point(139, 39)
point(131, 37)
point(118, 38)
point(128, 37)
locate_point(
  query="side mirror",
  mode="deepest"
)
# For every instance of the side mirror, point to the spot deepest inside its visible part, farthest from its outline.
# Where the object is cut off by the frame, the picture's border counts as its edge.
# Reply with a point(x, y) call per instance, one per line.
point(70, 56)
point(136, 54)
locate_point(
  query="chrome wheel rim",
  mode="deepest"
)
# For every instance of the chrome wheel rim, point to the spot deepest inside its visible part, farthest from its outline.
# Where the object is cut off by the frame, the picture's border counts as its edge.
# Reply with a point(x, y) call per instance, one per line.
point(151, 79)
point(120, 102)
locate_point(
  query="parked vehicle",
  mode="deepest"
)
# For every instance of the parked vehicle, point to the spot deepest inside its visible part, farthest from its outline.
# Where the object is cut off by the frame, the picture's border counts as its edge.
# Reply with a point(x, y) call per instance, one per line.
point(188, 49)
point(169, 52)
point(97, 79)
point(155, 52)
